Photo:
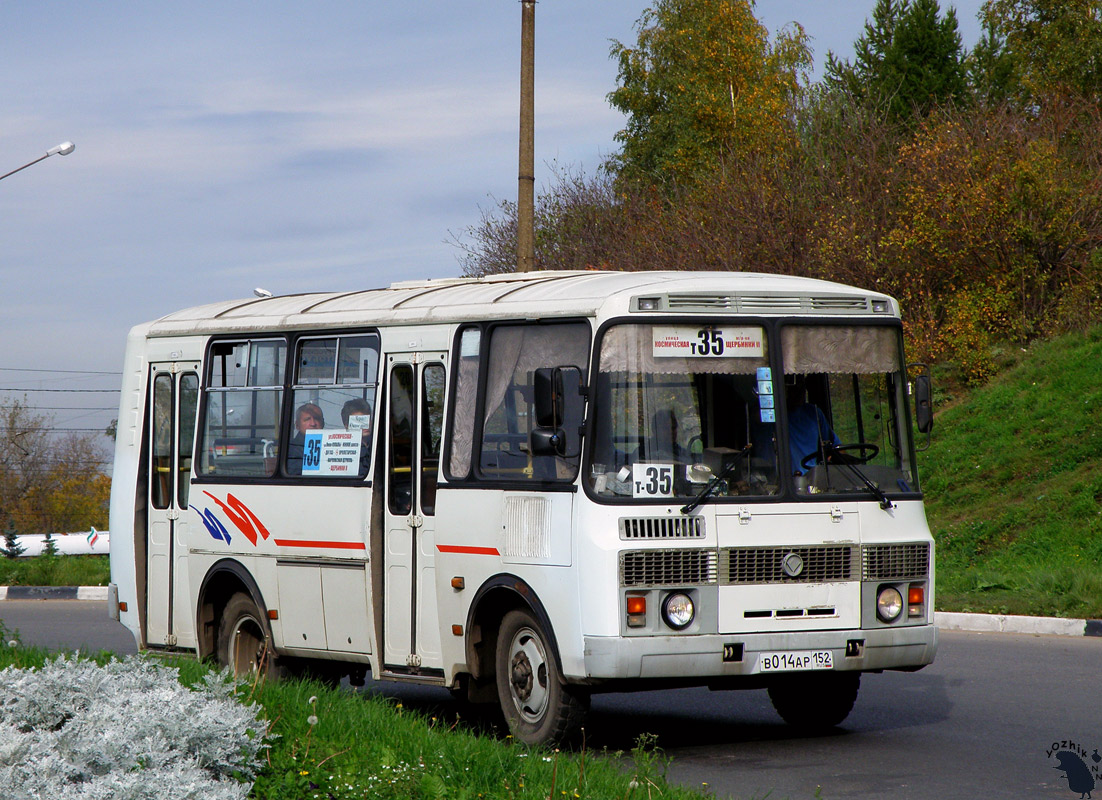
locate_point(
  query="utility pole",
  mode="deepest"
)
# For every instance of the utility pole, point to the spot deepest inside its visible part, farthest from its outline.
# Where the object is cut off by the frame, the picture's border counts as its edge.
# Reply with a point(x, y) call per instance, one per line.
point(526, 190)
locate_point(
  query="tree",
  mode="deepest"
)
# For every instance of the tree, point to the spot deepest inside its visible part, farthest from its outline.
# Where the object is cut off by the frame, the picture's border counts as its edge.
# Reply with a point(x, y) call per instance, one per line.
point(48, 482)
point(991, 71)
point(577, 224)
point(12, 548)
point(1054, 47)
point(703, 81)
point(908, 60)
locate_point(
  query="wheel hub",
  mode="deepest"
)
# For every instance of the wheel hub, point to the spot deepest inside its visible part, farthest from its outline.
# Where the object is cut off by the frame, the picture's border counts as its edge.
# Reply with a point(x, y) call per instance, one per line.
point(522, 675)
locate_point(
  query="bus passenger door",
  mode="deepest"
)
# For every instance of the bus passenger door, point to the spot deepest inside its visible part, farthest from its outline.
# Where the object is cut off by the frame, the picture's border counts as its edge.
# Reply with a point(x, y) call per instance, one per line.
point(173, 399)
point(415, 409)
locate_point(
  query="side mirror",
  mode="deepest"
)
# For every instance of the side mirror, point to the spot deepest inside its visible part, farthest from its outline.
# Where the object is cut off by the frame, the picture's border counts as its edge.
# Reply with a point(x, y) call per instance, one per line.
point(548, 397)
point(924, 402)
point(548, 442)
point(552, 407)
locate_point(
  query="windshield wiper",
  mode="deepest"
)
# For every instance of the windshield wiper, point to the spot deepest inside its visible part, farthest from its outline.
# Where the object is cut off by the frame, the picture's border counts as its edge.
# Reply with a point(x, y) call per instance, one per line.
point(689, 507)
point(877, 492)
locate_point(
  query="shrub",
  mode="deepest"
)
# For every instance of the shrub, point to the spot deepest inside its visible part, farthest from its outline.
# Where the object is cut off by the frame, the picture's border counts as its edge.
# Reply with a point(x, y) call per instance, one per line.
point(128, 729)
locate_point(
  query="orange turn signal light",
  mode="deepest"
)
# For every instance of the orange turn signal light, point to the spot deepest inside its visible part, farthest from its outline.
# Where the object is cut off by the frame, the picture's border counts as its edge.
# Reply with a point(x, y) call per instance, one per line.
point(637, 605)
point(915, 596)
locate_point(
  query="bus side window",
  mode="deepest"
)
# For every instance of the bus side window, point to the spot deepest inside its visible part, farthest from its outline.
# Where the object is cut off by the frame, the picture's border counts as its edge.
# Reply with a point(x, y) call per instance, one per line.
point(462, 425)
point(515, 352)
point(333, 401)
point(244, 394)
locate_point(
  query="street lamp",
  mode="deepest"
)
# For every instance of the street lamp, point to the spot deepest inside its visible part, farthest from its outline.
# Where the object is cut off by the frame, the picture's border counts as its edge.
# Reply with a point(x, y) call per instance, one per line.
point(62, 149)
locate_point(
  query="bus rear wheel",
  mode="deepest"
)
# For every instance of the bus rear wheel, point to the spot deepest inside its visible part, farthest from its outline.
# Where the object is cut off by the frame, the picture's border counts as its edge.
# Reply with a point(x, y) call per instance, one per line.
point(815, 701)
point(539, 708)
point(245, 641)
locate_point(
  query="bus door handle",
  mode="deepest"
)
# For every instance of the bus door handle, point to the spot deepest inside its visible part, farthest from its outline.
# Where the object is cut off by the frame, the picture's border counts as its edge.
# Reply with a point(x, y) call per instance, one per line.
point(415, 520)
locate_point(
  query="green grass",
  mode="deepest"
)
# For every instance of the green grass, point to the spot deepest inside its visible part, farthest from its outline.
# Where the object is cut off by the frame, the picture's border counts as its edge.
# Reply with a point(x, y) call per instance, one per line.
point(1013, 485)
point(362, 746)
point(59, 570)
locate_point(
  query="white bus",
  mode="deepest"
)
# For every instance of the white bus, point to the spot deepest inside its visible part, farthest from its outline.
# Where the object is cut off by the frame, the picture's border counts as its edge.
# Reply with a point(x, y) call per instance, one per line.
point(529, 488)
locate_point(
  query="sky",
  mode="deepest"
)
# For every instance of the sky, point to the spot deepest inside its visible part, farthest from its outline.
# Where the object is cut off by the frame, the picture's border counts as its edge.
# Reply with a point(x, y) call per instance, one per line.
point(306, 146)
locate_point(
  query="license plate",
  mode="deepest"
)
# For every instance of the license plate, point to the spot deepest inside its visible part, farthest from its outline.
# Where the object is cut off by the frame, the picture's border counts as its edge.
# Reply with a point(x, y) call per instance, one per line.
point(795, 661)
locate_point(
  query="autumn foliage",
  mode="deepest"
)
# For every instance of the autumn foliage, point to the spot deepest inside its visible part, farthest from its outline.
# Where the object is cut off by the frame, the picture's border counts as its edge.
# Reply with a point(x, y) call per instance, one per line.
point(981, 212)
point(49, 484)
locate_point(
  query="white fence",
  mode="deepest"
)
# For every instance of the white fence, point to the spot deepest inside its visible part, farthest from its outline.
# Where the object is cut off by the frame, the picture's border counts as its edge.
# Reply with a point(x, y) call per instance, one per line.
point(72, 544)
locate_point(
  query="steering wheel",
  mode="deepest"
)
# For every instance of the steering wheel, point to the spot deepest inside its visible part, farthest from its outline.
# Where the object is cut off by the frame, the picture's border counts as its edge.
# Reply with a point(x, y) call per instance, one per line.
point(840, 454)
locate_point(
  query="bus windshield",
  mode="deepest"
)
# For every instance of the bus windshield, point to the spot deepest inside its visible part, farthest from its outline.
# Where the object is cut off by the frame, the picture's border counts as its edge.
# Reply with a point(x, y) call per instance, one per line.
point(678, 406)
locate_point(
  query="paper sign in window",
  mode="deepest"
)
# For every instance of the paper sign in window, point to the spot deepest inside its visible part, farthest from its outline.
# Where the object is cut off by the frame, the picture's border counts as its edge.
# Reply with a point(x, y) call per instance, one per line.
point(683, 341)
point(331, 453)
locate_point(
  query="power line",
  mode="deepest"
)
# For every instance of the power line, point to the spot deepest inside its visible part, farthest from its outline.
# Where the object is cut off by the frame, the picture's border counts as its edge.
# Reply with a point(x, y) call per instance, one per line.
point(86, 391)
point(41, 430)
point(65, 371)
point(71, 408)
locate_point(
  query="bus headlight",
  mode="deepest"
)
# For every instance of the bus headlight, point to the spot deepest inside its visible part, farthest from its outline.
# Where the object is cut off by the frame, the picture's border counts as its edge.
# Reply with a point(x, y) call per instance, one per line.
point(889, 604)
point(678, 610)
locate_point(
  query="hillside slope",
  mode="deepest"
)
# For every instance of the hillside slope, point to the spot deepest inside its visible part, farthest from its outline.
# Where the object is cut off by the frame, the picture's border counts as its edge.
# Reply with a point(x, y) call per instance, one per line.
point(1013, 485)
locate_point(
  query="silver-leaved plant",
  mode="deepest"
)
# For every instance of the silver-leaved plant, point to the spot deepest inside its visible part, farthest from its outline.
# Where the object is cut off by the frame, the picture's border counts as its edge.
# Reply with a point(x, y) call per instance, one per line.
point(128, 730)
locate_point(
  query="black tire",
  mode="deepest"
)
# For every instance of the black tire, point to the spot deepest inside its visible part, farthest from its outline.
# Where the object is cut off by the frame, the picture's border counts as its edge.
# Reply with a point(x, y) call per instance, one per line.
point(328, 673)
point(245, 640)
point(815, 701)
point(539, 708)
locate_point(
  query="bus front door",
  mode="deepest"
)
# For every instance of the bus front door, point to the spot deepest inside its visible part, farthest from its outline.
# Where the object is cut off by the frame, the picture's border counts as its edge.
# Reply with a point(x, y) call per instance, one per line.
point(415, 413)
point(173, 399)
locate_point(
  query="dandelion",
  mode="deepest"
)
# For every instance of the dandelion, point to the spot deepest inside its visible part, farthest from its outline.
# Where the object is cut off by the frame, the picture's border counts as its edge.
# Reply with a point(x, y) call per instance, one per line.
point(312, 720)
point(13, 643)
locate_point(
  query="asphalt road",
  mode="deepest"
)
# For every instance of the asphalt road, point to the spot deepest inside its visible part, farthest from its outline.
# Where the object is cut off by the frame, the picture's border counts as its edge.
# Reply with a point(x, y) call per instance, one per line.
point(978, 723)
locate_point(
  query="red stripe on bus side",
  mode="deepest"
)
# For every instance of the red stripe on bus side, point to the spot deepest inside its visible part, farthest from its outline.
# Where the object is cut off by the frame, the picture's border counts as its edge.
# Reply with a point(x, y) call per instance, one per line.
point(474, 551)
point(313, 543)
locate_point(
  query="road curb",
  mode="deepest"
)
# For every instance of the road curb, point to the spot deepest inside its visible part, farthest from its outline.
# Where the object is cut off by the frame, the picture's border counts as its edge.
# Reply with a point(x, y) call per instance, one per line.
point(1010, 623)
point(53, 592)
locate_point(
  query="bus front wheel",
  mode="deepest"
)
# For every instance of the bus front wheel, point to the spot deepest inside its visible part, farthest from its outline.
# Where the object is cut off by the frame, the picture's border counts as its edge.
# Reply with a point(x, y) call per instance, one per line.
point(815, 701)
point(245, 641)
point(539, 707)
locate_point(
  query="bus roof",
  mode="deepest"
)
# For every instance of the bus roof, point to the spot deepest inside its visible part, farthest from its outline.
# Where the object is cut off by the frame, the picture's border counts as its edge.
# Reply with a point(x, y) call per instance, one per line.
point(532, 295)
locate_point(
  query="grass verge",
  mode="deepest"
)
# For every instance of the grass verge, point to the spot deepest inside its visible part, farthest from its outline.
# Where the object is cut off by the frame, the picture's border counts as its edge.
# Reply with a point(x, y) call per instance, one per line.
point(334, 744)
point(1013, 485)
point(57, 570)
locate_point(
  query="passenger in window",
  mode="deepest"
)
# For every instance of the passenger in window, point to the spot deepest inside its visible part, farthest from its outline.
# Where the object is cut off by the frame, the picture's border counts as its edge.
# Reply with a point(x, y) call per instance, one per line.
point(307, 418)
point(356, 415)
point(808, 427)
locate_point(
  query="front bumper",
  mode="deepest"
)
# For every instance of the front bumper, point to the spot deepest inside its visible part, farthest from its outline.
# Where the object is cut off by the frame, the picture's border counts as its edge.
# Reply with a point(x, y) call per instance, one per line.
point(692, 657)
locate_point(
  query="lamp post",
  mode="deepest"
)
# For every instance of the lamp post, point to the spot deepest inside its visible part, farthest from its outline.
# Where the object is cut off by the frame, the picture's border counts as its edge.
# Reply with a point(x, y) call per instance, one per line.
point(62, 149)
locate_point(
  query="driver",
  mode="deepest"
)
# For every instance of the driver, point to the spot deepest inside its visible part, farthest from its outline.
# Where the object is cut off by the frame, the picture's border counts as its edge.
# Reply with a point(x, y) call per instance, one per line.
point(807, 425)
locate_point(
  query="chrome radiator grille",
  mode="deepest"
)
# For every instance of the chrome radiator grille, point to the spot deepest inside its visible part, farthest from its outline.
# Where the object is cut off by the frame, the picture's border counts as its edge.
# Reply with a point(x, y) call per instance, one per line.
point(741, 566)
point(667, 567)
point(822, 564)
point(884, 561)
point(662, 528)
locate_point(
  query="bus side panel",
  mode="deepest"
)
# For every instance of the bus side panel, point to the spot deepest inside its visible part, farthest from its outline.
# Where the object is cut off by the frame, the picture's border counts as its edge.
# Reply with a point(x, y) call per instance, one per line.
point(483, 534)
point(308, 547)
